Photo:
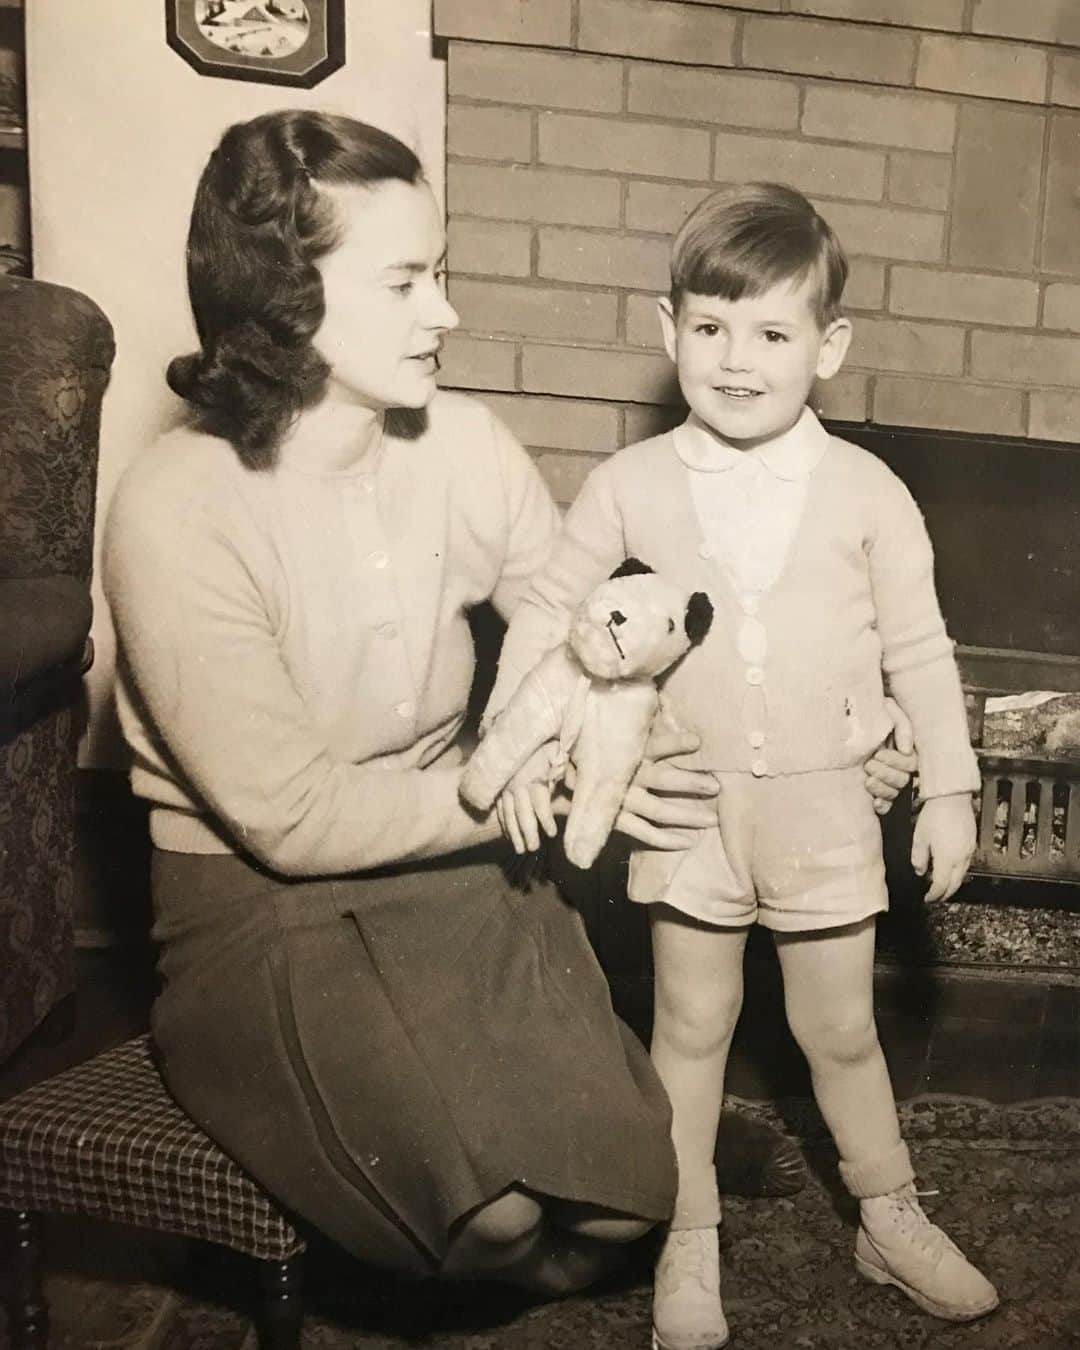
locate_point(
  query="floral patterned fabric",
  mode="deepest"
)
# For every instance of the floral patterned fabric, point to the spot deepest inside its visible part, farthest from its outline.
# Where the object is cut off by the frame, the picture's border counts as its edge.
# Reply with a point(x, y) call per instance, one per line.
point(56, 349)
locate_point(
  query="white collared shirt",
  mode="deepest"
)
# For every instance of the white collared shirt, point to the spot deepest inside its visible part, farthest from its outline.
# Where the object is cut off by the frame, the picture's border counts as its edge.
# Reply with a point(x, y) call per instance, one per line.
point(749, 504)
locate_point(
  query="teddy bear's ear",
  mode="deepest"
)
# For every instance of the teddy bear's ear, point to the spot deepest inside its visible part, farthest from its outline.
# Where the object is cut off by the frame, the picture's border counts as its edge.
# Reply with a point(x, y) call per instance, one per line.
point(632, 567)
point(699, 617)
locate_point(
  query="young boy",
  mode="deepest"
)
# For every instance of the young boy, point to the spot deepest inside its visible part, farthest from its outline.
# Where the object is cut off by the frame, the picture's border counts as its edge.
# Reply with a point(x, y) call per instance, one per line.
point(821, 574)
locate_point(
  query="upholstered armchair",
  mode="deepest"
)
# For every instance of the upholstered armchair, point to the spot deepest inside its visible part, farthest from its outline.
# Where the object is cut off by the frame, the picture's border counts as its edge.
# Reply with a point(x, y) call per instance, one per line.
point(56, 349)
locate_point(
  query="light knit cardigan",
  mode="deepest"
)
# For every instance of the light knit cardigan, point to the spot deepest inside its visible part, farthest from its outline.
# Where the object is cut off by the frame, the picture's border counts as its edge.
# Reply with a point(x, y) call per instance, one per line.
point(854, 601)
point(296, 656)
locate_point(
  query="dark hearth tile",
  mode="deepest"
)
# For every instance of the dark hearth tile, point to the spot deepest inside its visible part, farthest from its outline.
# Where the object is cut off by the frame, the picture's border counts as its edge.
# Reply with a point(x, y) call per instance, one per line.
point(972, 1057)
point(991, 999)
point(1063, 1007)
point(903, 1037)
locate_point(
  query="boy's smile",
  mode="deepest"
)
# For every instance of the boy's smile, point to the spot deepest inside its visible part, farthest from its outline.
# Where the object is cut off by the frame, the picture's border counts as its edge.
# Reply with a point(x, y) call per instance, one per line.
point(746, 366)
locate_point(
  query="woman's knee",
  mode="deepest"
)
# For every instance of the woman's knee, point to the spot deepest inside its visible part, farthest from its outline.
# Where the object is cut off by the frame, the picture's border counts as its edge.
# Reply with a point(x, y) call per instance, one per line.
point(504, 1221)
point(598, 1223)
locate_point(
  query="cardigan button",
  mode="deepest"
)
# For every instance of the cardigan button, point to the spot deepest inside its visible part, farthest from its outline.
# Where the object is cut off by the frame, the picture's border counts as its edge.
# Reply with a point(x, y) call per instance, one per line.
point(759, 768)
point(406, 710)
point(754, 675)
point(379, 559)
point(387, 630)
point(756, 739)
point(704, 551)
point(750, 604)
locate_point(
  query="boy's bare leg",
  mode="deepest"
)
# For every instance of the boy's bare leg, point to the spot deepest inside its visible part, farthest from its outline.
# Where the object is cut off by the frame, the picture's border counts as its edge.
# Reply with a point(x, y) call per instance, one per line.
point(829, 995)
point(697, 996)
point(828, 989)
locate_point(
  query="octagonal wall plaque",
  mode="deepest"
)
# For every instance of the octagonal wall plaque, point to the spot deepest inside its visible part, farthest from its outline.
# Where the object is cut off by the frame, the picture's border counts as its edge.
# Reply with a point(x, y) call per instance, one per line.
point(290, 42)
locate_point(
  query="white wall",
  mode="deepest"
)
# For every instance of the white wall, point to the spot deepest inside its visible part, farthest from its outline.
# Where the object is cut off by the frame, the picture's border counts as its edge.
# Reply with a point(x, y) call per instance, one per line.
point(119, 128)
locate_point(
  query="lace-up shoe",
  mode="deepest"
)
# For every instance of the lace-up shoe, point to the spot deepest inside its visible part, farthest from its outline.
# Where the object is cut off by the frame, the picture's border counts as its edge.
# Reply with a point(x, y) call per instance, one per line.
point(897, 1244)
point(687, 1313)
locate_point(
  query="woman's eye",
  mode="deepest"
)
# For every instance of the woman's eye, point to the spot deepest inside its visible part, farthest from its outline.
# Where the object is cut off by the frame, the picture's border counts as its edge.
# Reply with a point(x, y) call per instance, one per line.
point(771, 335)
point(402, 288)
point(440, 275)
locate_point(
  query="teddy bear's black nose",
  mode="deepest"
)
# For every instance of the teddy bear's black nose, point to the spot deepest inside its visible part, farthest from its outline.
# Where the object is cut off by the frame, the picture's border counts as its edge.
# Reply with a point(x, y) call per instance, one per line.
point(617, 618)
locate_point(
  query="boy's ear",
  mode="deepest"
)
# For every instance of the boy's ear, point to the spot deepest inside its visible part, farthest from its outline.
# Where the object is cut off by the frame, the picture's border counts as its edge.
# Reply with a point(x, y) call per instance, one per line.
point(668, 325)
point(834, 346)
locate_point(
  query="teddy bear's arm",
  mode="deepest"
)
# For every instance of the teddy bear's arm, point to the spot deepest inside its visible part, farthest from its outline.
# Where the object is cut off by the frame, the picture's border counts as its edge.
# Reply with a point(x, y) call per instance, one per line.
point(606, 755)
point(534, 715)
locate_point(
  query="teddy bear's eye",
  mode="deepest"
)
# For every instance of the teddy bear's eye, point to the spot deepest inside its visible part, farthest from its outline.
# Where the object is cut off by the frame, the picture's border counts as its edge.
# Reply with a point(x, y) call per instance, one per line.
point(671, 625)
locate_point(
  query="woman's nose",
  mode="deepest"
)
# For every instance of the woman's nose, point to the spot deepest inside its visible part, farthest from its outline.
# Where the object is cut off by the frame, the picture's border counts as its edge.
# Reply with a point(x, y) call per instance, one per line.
point(442, 315)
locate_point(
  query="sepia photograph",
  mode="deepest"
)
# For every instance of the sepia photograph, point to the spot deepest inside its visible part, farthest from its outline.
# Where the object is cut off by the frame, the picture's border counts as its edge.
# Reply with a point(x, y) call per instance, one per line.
point(540, 674)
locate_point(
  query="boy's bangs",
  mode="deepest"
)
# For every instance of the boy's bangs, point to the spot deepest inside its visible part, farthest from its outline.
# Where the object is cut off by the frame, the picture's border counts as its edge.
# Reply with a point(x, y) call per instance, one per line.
point(749, 273)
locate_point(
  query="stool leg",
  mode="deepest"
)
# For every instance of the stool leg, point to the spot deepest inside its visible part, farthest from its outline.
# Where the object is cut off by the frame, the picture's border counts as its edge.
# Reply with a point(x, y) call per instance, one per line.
point(28, 1314)
point(282, 1305)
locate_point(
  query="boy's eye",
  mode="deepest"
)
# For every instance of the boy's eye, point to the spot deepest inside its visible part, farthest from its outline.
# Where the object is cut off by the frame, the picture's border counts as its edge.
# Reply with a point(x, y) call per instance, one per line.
point(402, 288)
point(771, 335)
point(440, 275)
point(707, 329)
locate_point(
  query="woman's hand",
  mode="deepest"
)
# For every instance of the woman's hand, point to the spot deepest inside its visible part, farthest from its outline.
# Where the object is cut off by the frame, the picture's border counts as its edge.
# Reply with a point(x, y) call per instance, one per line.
point(945, 835)
point(888, 770)
point(664, 806)
point(525, 806)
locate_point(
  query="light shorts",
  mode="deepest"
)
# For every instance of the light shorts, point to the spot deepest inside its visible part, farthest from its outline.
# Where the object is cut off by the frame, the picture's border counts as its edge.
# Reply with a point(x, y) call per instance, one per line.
point(794, 853)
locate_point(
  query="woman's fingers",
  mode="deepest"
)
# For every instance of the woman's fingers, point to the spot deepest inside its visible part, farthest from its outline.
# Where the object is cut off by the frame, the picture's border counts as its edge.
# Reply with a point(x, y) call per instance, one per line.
point(526, 819)
point(654, 836)
point(684, 812)
point(662, 777)
point(540, 801)
point(666, 740)
point(902, 734)
point(508, 821)
point(881, 790)
point(884, 771)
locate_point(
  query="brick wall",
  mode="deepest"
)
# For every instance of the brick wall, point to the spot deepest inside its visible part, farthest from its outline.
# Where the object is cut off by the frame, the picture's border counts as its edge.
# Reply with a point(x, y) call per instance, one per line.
point(939, 137)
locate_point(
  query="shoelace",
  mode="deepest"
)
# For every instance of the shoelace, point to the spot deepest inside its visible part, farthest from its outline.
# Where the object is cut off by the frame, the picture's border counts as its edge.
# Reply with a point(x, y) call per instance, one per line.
point(910, 1215)
point(684, 1258)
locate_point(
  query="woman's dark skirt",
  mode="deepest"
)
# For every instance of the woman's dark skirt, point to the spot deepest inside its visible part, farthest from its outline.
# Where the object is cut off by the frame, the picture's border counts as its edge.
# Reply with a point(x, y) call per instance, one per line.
point(385, 1053)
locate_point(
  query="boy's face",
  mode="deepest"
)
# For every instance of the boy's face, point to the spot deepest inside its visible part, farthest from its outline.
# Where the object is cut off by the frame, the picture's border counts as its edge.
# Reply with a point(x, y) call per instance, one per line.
point(746, 366)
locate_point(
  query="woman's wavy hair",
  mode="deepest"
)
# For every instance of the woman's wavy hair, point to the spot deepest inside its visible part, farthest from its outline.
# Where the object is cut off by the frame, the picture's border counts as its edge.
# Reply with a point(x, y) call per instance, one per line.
point(258, 227)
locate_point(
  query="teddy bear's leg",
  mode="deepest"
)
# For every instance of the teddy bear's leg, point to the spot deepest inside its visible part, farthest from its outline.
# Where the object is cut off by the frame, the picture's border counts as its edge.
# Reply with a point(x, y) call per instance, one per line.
point(534, 715)
point(606, 755)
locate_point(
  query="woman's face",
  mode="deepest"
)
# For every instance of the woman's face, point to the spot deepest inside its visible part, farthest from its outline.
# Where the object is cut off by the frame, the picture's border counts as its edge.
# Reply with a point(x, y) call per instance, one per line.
point(386, 314)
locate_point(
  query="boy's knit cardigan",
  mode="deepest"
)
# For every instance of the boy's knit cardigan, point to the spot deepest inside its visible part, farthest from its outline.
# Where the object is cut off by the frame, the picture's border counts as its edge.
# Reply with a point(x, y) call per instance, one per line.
point(855, 602)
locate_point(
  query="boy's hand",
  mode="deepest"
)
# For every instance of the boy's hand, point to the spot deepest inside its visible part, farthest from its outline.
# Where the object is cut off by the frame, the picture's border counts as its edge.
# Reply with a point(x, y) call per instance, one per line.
point(945, 833)
point(888, 770)
point(525, 806)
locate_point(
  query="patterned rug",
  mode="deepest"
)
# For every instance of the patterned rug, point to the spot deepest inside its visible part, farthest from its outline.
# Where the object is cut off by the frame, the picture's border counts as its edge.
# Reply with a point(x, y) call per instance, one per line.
point(1008, 1183)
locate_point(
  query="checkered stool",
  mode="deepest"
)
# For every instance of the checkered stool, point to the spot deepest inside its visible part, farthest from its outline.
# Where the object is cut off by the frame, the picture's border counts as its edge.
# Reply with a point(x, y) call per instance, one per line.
point(105, 1139)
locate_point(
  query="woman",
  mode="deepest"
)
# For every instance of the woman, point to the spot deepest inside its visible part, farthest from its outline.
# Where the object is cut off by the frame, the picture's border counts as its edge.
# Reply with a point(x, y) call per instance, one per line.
point(416, 1057)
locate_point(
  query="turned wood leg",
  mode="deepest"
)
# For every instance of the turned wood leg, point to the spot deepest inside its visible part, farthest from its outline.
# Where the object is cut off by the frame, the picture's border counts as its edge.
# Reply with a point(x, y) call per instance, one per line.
point(28, 1315)
point(282, 1305)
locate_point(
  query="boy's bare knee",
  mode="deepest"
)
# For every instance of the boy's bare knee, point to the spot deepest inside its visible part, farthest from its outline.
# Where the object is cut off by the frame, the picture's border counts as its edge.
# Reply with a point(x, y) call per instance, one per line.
point(696, 1021)
point(839, 1042)
point(504, 1221)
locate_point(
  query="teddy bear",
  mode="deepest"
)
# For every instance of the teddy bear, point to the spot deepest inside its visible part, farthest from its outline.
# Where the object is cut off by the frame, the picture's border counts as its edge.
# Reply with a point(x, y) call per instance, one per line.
point(596, 695)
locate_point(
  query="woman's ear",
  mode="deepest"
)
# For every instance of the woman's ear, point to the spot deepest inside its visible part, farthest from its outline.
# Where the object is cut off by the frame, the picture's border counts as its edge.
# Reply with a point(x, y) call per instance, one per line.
point(668, 327)
point(834, 347)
